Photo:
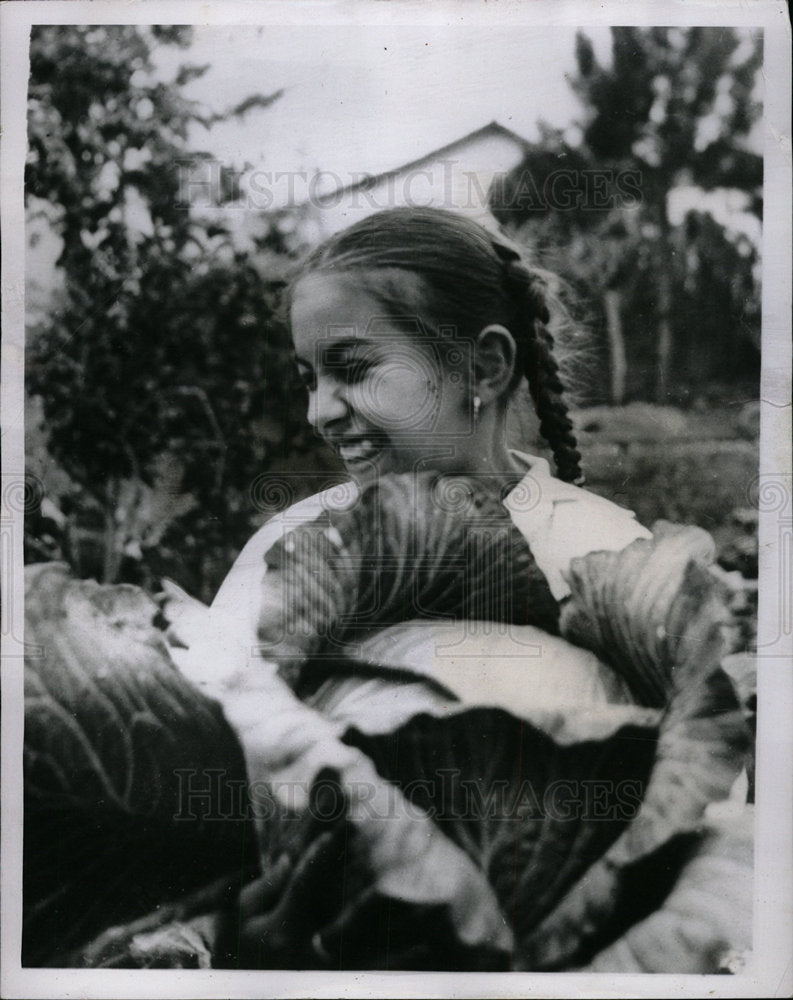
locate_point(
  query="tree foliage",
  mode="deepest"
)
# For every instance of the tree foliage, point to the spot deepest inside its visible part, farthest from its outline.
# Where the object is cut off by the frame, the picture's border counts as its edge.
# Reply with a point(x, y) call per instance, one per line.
point(672, 111)
point(675, 102)
point(153, 368)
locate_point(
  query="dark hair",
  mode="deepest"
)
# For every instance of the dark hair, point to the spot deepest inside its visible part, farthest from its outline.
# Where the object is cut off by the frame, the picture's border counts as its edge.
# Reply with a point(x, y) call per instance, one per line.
point(472, 278)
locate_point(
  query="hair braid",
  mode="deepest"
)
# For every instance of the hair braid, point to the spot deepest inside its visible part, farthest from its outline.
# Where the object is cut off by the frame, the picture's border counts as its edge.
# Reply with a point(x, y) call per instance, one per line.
point(555, 424)
point(538, 363)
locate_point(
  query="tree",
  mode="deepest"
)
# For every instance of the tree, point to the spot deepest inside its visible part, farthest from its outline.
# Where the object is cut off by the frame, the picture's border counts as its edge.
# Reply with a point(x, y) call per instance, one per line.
point(151, 368)
point(673, 110)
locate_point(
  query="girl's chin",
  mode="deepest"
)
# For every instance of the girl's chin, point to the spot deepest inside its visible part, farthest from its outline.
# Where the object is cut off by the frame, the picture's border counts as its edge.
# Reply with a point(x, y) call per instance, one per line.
point(367, 471)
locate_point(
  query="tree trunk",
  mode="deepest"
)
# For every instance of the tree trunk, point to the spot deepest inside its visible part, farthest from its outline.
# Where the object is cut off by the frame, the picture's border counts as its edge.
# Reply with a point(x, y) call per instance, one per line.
point(617, 363)
point(664, 345)
point(111, 555)
point(664, 349)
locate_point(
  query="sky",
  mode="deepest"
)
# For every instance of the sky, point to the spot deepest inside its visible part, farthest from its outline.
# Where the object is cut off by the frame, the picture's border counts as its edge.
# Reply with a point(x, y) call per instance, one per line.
point(368, 98)
point(364, 98)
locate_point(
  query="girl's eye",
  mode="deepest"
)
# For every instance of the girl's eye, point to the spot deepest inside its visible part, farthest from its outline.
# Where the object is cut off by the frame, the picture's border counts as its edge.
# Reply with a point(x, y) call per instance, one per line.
point(348, 364)
point(358, 368)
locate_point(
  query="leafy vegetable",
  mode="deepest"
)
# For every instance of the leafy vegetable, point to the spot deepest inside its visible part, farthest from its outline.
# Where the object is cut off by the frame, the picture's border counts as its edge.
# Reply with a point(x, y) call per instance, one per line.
point(506, 832)
point(115, 740)
point(412, 547)
point(652, 611)
point(704, 923)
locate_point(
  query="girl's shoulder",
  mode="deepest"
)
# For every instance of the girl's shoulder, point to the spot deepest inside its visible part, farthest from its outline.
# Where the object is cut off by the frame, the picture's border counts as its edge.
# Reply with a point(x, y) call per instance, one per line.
point(561, 522)
point(558, 520)
point(241, 583)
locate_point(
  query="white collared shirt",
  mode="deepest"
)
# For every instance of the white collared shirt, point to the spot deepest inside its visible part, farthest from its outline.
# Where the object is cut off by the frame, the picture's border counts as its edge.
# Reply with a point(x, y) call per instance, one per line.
point(561, 522)
point(558, 520)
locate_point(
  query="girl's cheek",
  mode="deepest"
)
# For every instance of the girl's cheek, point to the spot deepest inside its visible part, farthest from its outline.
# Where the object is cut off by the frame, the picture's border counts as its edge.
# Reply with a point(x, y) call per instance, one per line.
point(397, 403)
point(413, 407)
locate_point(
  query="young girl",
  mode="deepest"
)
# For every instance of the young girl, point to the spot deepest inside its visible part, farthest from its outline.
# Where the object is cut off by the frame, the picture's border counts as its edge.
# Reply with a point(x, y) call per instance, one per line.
point(412, 330)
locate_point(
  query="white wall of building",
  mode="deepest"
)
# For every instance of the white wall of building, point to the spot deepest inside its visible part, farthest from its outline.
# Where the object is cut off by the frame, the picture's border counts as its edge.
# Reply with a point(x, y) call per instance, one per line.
point(458, 180)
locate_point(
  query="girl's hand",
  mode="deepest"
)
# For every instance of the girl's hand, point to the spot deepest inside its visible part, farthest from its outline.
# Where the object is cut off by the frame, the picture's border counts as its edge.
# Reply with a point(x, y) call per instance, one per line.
point(318, 907)
point(282, 926)
point(185, 617)
point(280, 916)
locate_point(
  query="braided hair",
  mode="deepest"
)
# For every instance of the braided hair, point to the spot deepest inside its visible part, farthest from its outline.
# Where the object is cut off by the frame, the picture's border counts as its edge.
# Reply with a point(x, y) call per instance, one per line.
point(470, 278)
point(537, 361)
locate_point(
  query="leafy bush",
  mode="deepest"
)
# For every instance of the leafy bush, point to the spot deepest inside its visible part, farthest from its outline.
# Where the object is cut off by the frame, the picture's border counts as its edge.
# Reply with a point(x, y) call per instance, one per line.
point(160, 365)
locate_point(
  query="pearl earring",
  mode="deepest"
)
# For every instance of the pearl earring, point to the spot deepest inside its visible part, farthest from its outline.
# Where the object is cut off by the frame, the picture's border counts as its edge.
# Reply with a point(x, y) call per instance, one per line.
point(477, 408)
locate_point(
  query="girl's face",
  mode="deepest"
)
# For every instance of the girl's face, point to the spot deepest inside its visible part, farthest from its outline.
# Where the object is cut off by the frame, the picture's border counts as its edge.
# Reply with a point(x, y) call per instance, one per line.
point(382, 397)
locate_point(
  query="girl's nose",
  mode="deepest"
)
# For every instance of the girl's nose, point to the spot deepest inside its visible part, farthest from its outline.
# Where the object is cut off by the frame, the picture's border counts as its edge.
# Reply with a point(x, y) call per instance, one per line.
point(327, 404)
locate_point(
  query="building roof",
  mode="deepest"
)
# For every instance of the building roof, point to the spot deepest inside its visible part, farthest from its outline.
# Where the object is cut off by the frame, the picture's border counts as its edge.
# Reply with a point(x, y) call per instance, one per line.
point(493, 128)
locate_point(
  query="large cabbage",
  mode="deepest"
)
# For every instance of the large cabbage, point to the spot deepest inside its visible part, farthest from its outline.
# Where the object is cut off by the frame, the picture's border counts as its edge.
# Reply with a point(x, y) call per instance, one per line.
point(113, 733)
point(494, 831)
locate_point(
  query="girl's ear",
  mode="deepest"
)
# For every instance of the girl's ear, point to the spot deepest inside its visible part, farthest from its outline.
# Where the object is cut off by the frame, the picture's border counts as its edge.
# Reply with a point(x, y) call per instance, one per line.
point(494, 362)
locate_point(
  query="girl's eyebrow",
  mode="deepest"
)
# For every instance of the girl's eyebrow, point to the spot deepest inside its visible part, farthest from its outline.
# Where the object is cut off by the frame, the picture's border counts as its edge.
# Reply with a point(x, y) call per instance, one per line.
point(330, 348)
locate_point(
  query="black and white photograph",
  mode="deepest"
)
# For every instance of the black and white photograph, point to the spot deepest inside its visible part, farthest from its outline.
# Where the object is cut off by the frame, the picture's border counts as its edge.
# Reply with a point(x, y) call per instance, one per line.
point(396, 499)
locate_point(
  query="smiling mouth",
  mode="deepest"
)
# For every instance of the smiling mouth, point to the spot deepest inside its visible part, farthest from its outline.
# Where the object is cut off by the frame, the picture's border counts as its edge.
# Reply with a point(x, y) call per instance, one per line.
point(357, 450)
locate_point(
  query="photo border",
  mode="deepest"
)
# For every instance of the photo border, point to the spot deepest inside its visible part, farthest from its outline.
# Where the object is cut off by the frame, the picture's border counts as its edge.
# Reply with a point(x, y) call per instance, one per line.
point(771, 973)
